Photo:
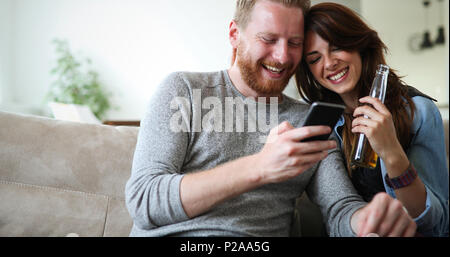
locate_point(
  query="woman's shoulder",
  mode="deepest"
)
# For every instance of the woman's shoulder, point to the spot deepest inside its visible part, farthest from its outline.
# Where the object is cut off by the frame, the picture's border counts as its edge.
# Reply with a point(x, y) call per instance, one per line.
point(424, 104)
point(426, 112)
point(412, 92)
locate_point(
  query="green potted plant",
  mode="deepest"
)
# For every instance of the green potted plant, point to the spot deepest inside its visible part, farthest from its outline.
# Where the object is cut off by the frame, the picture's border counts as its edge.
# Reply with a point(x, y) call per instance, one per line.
point(76, 83)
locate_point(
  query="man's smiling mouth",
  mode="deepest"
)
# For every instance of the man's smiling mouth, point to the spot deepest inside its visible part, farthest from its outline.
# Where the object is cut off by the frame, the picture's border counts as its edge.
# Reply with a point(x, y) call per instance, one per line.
point(273, 69)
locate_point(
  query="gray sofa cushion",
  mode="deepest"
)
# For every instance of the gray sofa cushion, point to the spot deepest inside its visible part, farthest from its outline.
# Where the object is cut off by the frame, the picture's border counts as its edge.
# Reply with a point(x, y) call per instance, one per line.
point(59, 177)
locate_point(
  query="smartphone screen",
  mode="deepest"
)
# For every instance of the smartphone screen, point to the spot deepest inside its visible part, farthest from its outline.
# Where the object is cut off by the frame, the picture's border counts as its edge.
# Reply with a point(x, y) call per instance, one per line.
point(321, 113)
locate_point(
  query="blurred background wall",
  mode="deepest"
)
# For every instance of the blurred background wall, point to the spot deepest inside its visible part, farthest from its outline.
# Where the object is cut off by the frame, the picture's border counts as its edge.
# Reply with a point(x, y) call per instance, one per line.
point(134, 44)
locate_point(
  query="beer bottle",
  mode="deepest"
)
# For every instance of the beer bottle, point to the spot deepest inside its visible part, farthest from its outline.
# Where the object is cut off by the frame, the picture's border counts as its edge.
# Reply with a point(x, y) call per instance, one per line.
point(362, 153)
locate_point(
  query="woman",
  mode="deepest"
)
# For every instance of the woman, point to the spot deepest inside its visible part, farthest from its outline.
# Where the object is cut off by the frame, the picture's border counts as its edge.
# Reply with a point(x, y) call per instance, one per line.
point(341, 54)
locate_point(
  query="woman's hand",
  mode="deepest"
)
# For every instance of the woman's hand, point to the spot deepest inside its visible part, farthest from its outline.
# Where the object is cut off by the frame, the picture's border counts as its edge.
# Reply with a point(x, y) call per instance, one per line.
point(381, 133)
point(383, 216)
point(378, 127)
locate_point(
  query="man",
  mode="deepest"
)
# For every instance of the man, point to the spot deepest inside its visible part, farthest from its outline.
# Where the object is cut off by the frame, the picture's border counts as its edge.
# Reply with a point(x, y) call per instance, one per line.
point(193, 175)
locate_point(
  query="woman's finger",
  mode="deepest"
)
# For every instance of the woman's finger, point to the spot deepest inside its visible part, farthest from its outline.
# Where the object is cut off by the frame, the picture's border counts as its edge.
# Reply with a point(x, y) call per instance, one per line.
point(394, 211)
point(367, 112)
point(411, 231)
point(376, 213)
point(361, 121)
point(362, 221)
point(376, 103)
point(401, 227)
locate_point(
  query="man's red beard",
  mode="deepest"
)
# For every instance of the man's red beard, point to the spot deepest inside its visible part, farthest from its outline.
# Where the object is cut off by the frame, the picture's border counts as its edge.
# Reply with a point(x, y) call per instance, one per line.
point(251, 75)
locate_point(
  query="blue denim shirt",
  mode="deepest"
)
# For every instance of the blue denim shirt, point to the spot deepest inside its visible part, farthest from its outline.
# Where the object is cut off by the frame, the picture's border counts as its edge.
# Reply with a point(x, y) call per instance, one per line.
point(428, 155)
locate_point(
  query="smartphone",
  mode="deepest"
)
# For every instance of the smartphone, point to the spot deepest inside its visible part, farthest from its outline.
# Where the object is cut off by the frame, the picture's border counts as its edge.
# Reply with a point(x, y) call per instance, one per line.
point(321, 113)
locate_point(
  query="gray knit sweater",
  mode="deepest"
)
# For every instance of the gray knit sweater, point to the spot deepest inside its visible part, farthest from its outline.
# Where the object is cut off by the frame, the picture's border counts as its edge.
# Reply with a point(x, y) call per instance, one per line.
point(189, 127)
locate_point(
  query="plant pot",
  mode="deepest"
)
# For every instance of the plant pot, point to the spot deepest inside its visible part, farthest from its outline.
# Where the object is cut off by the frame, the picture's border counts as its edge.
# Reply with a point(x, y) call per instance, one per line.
point(73, 112)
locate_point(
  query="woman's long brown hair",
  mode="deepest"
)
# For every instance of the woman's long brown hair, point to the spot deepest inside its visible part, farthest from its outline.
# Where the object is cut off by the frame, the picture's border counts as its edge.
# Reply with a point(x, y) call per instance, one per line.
point(343, 28)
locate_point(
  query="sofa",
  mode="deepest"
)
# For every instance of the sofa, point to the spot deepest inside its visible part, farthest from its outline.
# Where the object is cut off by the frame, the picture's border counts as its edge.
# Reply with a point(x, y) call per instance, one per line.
point(60, 178)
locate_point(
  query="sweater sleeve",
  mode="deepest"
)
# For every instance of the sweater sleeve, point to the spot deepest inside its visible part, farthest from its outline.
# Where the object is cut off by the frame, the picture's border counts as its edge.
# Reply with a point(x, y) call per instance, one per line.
point(332, 190)
point(152, 193)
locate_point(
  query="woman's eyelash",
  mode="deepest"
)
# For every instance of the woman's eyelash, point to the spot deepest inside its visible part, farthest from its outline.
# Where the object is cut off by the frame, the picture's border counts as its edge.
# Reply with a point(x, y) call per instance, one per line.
point(318, 58)
point(314, 61)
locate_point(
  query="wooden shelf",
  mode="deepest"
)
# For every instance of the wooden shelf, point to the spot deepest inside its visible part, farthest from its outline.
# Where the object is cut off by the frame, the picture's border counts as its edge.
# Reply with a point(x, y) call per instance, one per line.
point(133, 123)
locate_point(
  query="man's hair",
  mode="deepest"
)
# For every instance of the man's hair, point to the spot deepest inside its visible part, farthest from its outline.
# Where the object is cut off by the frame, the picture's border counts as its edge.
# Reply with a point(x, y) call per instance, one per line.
point(244, 9)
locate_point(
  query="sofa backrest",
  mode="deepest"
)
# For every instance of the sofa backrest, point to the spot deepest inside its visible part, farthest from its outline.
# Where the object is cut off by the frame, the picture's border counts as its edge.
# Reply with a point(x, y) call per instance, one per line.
point(59, 177)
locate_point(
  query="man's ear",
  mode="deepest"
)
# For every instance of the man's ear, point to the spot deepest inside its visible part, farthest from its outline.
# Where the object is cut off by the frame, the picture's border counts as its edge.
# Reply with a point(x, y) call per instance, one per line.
point(234, 34)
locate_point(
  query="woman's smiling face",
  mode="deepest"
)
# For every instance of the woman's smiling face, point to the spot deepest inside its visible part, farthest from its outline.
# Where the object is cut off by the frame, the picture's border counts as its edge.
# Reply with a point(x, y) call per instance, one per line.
point(335, 69)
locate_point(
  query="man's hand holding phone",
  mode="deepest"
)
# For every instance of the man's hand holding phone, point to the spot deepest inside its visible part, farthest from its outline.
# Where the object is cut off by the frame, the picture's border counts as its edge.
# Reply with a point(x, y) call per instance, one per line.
point(285, 156)
point(290, 151)
point(325, 114)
